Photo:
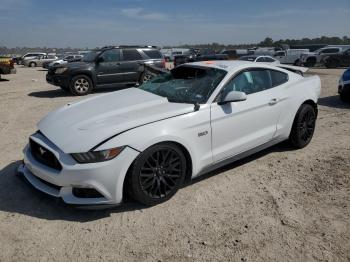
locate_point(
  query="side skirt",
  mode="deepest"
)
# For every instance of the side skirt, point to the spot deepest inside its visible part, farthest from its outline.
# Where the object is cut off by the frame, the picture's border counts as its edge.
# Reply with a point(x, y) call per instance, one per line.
point(239, 156)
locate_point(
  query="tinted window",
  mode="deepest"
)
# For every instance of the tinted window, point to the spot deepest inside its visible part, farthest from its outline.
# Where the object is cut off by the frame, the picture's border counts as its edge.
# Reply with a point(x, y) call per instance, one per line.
point(269, 59)
point(280, 53)
point(249, 82)
point(112, 55)
point(247, 58)
point(330, 50)
point(278, 78)
point(131, 55)
point(51, 57)
point(153, 54)
point(260, 59)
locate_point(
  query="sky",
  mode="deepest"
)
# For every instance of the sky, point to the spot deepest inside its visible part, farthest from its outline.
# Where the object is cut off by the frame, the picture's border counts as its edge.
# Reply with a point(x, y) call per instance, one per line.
point(85, 23)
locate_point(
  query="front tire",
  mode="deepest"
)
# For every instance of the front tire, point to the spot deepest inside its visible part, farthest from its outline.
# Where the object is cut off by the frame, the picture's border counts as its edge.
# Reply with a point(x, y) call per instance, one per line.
point(32, 64)
point(157, 174)
point(303, 127)
point(81, 85)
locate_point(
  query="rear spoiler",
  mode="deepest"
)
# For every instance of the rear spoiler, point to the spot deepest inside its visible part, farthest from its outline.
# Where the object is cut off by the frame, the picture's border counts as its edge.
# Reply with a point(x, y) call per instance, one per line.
point(295, 69)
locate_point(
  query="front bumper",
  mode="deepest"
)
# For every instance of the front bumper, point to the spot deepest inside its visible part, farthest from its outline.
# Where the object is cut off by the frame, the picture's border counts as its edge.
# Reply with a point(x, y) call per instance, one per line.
point(107, 178)
point(344, 88)
point(58, 80)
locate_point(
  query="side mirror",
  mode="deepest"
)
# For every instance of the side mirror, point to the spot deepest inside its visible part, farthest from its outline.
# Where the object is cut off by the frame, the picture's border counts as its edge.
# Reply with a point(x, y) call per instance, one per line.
point(233, 96)
point(99, 60)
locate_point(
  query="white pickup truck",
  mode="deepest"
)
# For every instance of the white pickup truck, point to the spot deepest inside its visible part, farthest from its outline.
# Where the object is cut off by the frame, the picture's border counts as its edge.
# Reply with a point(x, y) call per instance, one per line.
point(290, 56)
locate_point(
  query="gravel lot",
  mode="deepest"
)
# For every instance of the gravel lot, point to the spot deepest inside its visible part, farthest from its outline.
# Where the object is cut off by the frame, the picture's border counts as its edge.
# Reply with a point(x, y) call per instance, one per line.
point(278, 205)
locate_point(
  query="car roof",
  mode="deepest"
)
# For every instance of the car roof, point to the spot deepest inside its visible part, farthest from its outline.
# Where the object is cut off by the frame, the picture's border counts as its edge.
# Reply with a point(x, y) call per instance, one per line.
point(229, 65)
point(222, 64)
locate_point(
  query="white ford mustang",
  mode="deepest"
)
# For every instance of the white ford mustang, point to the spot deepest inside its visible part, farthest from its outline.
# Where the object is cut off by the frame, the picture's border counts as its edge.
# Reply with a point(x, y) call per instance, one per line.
point(147, 141)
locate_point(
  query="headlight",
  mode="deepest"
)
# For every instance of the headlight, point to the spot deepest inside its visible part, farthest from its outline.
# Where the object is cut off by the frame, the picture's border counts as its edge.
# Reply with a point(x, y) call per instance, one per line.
point(97, 156)
point(60, 70)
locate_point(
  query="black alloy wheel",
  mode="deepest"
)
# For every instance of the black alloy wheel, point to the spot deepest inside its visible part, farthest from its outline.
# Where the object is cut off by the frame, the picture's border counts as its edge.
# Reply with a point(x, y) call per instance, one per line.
point(157, 174)
point(303, 126)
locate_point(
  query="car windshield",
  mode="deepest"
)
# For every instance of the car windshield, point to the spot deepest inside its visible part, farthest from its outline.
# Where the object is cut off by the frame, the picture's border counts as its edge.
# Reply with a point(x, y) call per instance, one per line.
point(186, 84)
point(90, 56)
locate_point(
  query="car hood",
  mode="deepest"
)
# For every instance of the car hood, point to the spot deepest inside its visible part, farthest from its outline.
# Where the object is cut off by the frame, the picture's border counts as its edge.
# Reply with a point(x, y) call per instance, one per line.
point(80, 126)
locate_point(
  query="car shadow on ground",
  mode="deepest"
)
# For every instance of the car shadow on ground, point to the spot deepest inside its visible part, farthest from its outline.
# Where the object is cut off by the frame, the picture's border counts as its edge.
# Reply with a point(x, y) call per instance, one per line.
point(61, 93)
point(334, 102)
point(18, 196)
point(281, 147)
point(4, 80)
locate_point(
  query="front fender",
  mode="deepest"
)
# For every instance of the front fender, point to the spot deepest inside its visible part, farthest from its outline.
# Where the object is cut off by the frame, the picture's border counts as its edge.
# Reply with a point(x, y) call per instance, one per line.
point(184, 130)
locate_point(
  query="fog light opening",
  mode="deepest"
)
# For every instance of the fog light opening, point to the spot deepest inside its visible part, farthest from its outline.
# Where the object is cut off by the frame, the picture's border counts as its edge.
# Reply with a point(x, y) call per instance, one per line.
point(86, 193)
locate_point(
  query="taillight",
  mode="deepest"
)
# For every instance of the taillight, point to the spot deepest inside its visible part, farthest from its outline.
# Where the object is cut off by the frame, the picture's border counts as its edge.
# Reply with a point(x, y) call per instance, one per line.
point(12, 63)
point(163, 62)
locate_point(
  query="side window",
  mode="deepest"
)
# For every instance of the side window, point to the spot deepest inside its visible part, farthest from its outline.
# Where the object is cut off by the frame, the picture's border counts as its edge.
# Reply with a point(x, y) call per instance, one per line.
point(330, 50)
point(260, 59)
point(269, 59)
point(131, 55)
point(153, 54)
point(249, 82)
point(278, 78)
point(112, 55)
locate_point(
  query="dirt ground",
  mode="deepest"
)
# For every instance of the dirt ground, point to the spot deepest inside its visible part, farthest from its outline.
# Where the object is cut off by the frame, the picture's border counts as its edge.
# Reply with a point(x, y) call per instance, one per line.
point(278, 205)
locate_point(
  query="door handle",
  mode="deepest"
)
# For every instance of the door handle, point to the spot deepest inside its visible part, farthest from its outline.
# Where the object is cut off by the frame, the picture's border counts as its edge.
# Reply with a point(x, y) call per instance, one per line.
point(273, 101)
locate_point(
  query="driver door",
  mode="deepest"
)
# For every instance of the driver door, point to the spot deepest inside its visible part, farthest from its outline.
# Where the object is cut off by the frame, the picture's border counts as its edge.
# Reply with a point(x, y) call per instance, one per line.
point(108, 69)
point(240, 126)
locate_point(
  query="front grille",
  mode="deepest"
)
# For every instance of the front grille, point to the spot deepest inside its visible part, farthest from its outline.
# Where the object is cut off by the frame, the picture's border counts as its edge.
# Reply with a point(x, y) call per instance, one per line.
point(48, 183)
point(44, 156)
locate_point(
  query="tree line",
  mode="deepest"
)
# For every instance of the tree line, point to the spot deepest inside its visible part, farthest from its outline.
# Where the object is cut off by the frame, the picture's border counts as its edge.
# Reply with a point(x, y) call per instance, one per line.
point(267, 42)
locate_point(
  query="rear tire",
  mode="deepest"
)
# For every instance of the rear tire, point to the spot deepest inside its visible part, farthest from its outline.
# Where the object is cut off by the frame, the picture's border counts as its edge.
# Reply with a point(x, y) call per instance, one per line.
point(297, 62)
point(332, 64)
point(157, 174)
point(32, 64)
point(310, 62)
point(81, 85)
point(303, 126)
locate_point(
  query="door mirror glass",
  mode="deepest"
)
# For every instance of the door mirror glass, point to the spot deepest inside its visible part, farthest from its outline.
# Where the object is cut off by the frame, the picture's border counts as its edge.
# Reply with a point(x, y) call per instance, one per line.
point(233, 96)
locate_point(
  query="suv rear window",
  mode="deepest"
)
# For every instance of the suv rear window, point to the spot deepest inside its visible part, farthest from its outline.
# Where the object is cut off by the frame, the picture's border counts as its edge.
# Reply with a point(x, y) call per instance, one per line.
point(153, 54)
point(131, 55)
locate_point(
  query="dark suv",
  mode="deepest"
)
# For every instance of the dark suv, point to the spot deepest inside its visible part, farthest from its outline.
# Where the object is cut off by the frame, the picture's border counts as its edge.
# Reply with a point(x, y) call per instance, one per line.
point(106, 67)
point(337, 60)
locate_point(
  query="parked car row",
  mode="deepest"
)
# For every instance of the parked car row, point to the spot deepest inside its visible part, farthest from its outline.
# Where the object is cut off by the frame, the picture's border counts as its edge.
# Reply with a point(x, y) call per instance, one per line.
point(62, 61)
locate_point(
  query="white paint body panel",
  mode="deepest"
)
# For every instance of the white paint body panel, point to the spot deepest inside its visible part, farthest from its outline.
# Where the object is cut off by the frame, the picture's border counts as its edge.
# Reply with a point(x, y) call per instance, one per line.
point(137, 120)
